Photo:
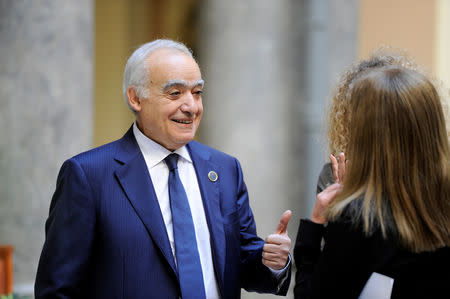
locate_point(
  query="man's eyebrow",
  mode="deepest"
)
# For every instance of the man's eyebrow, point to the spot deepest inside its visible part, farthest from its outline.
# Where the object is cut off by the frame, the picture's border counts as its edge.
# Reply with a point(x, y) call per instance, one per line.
point(200, 83)
point(182, 83)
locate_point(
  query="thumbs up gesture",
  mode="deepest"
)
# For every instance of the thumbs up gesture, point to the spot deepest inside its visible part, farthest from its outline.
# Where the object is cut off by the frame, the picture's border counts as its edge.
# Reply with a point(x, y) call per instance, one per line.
point(276, 250)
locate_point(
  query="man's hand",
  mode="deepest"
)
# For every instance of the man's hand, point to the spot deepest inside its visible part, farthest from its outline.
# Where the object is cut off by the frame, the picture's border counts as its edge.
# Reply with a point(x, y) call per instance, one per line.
point(276, 250)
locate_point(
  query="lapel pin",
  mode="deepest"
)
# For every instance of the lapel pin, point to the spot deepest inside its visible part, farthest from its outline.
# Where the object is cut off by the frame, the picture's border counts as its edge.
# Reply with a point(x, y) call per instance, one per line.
point(212, 176)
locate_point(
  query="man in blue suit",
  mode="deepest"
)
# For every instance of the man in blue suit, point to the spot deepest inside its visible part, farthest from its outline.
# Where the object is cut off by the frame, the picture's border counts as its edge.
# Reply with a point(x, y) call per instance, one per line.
point(156, 214)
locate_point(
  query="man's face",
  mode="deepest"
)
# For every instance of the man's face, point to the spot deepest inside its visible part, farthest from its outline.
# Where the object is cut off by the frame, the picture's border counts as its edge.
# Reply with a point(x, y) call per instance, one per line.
point(172, 113)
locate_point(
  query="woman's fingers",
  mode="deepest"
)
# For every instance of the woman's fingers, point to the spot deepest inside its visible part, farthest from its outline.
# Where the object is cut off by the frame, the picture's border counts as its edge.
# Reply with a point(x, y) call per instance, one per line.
point(335, 168)
point(338, 167)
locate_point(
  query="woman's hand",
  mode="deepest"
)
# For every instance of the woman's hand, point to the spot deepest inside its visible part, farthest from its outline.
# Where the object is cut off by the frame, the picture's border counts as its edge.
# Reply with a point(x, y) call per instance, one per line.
point(324, 198)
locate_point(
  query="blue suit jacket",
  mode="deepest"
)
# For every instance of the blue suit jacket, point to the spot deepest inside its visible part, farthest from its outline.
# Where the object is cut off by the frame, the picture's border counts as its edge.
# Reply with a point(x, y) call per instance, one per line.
point(105, 235)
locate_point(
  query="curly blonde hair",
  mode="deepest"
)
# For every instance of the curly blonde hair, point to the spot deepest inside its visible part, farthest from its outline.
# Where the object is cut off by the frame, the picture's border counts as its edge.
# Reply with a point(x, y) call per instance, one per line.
point(339, 114)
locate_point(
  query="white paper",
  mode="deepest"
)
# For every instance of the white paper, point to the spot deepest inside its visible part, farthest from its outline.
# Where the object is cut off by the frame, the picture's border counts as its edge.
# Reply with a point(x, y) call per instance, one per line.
point(378, 286)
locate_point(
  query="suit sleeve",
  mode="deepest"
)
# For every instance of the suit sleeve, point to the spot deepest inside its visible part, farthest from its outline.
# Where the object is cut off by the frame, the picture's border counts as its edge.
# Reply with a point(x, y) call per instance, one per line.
point(64, 262)
point(255, 275)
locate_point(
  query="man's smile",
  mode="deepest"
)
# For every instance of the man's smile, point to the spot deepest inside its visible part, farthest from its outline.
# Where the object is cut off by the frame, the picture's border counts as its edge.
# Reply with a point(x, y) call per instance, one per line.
point(183, 121)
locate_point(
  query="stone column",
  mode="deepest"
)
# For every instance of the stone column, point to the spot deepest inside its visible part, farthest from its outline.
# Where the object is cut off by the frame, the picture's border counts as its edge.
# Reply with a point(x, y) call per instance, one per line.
point(249, 52)
point(331, 47)
point(247, 55)
point(269, 66)
point(46, 87)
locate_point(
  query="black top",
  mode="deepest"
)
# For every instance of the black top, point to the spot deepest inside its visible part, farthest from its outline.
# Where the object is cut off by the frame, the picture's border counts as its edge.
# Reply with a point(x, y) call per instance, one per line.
point(349, 257)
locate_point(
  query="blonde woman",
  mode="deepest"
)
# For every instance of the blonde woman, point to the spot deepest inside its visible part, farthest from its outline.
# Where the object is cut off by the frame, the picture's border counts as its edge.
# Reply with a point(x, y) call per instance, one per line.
point(390, 213)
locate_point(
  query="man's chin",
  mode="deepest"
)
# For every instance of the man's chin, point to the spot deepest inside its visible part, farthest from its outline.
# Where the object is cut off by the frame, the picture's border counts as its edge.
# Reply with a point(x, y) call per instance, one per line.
point(180, 142)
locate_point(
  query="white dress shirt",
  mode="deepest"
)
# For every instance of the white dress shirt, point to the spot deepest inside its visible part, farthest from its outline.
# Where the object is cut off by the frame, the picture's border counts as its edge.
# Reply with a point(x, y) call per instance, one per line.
point(154, 155)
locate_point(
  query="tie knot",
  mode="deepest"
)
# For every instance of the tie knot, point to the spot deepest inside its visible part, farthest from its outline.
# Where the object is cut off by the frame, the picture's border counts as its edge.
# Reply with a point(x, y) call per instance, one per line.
point(171, 161)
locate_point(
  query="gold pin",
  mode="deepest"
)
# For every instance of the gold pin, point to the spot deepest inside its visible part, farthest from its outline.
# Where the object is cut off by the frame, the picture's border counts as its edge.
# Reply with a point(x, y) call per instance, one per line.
point(212, 176)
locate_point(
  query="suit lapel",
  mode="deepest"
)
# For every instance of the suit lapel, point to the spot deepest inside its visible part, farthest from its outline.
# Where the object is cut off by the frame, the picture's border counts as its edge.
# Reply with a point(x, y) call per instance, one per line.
point(135, 180)
point(211, 203)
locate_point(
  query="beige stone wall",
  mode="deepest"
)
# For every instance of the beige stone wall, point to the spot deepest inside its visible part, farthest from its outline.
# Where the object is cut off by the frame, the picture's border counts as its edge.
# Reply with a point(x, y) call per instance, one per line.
point(402, 24)
point(112, 45)
point(442, 45)
point(120, 28)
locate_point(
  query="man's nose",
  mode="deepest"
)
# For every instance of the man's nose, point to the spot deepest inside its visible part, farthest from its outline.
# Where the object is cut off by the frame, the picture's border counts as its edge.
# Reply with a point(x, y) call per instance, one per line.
point(189, 104)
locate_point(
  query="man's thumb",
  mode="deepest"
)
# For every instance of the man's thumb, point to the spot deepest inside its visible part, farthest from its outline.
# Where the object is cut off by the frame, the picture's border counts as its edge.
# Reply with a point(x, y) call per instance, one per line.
point(284, 221)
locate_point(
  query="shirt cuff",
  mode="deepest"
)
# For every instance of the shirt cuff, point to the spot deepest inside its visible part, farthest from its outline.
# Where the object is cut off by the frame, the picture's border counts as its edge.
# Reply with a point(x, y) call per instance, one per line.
point(281, 272)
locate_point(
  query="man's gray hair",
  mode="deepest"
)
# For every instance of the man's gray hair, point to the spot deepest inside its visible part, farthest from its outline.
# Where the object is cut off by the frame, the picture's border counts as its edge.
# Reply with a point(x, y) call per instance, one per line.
point(136, 71)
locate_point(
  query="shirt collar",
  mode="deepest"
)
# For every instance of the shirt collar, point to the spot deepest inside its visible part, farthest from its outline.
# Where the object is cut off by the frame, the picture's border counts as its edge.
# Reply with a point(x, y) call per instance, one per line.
point(153, 152)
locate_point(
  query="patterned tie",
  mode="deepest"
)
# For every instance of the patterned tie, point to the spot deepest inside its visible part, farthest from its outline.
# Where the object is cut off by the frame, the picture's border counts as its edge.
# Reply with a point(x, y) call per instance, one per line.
point(188, 260)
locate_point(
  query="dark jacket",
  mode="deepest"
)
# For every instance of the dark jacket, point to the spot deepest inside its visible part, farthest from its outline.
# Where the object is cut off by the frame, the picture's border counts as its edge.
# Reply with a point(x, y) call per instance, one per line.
point(348, 258)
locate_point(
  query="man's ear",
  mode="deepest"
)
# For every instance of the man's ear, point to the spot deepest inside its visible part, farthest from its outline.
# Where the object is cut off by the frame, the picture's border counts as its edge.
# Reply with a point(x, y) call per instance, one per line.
point(133, 99)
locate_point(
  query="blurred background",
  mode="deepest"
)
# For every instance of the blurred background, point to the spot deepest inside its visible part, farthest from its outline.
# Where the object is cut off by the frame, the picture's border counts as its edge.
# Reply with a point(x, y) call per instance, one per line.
point(269, 67)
